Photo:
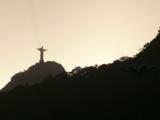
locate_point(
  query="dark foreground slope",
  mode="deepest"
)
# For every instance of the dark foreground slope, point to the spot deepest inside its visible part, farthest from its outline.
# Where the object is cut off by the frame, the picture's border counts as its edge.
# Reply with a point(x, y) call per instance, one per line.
point(127, 89)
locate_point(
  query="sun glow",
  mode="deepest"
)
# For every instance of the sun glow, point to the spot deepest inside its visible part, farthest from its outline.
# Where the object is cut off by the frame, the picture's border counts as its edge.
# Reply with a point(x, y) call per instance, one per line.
point(76, 33)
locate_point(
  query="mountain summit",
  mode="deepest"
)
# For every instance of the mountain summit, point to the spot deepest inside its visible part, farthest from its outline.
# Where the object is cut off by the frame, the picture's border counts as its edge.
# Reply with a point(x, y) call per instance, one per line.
point(34, 74)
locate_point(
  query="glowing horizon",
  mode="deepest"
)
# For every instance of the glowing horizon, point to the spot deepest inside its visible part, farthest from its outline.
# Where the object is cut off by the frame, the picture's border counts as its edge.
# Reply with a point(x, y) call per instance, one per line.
point(75, 32)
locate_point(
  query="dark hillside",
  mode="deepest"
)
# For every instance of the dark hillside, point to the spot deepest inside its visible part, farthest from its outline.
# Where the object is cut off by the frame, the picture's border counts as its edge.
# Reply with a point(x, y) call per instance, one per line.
point(34, 74)
point(126, 89)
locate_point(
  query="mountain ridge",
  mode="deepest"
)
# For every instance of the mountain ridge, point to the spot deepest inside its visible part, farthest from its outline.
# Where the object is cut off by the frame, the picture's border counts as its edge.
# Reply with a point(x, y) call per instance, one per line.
point(127, 89)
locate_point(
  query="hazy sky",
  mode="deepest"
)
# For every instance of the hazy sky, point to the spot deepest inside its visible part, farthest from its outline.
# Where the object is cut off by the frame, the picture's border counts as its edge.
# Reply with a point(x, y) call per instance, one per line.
point(76, 32)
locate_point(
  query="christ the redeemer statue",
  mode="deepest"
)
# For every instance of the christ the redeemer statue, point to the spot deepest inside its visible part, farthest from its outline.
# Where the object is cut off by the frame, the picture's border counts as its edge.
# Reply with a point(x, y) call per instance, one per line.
point(42, 50)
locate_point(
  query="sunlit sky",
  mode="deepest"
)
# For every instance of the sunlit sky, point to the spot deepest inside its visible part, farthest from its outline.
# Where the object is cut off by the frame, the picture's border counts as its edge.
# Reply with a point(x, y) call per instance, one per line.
point(75, 32)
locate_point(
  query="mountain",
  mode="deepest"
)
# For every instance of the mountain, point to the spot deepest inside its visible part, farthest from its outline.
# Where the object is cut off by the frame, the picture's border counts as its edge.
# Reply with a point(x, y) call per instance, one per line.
point(127, 89)
point(34, 75)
